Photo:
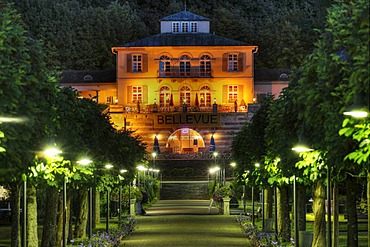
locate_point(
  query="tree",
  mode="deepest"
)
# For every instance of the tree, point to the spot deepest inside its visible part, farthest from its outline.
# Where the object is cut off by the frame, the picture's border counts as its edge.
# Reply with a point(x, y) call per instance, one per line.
point(337, 68)
point(27, 88)
point(80, 36)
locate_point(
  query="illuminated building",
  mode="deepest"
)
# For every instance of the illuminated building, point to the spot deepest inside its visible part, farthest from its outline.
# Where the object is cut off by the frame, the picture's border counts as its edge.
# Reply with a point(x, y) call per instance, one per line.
point(183, 86)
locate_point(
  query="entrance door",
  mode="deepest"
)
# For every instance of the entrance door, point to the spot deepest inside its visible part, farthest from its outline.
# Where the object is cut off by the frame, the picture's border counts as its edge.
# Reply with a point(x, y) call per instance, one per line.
point(185, 141)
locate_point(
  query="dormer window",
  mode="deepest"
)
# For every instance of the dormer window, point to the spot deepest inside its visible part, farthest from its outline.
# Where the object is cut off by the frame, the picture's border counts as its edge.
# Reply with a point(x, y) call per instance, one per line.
point(193, 27)
point(175, 27)
point(184, 27)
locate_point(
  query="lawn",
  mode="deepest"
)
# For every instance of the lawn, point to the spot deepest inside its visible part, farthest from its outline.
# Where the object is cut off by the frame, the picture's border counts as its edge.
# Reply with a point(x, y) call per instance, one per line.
point(362, 226)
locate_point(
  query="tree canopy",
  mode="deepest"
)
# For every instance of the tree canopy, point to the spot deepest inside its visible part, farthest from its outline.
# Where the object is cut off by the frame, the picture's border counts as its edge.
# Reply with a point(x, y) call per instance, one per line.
point(78, 34)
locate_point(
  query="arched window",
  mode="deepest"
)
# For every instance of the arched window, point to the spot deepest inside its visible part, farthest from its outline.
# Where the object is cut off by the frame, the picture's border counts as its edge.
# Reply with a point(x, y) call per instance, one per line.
point(185, 66)
point(205, 66)
point(164, 96)
point(164, 66)
point(205, 96)
point(185, 95)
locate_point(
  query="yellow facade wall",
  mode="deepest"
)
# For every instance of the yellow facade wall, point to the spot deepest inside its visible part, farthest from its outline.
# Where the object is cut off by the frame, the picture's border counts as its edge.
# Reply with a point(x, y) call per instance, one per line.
point(217, 82)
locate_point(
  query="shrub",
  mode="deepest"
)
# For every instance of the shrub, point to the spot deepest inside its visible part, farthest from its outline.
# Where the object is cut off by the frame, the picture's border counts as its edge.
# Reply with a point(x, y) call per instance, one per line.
point(259, 238)
point(113, 237)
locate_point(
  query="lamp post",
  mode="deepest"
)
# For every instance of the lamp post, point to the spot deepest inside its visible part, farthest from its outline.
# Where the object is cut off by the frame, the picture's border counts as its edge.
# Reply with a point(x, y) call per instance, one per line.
point(154, 155)
point(108, 166)
point(52, 153)
point(256, 165)
point(86, 162)
point(300, 148)
point(360, 110)
point(143, 169)
point(215, 154)
point(122, 171)
point(24, 229)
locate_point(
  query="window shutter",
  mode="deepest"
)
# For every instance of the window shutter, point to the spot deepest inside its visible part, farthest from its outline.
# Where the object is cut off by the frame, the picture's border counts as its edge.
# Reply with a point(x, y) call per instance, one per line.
point(241, 62)
point(129, 63)
point(145, 63)
point(240, 93)
point(224, 62)
point(129, 94)
point(224, 94)
point(145, 95)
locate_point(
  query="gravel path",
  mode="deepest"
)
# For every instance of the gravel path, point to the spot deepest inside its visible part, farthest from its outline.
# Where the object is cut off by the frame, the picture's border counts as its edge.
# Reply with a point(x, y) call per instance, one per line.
point(185, 223)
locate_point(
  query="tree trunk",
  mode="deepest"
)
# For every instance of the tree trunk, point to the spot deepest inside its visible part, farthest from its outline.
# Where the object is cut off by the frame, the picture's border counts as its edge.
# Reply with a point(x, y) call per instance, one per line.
point(82, 214)
point(270, 202)
point(69, 213)
point(96, 209)
point(352, 230)
point(319, 227)
point(60, 219)
point(335, 215)
point(32, 238)
point(302, 208)
point(15, 204)
point(49, 233)
point(284, 228)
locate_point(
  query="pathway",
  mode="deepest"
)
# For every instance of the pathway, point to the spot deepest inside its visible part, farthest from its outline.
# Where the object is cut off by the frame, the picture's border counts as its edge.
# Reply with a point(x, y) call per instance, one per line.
point(183, 223)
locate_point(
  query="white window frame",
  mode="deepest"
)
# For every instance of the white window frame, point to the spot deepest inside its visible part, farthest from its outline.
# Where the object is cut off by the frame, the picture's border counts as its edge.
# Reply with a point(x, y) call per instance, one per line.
point(137, 63)
point(193, 27)
point(184, 27)
point(232, 62)
point(175, 27)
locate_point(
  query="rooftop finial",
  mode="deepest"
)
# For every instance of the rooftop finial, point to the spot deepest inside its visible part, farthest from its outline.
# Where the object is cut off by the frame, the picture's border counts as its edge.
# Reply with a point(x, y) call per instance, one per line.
point(185, 5)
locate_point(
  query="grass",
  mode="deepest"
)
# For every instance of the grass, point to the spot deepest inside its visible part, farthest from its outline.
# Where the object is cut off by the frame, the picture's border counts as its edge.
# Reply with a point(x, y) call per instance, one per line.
point(362, 226)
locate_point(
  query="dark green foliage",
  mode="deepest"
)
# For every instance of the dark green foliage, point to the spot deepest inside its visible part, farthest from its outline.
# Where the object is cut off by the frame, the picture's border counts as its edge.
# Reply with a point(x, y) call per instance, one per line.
point(78, 34)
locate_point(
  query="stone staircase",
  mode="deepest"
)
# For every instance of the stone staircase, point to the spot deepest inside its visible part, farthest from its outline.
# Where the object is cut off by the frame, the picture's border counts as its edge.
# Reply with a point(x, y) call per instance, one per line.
point(184, 190)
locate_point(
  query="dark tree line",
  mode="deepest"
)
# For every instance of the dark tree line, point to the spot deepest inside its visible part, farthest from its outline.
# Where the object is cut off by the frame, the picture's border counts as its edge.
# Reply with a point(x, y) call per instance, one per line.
point(78, 34)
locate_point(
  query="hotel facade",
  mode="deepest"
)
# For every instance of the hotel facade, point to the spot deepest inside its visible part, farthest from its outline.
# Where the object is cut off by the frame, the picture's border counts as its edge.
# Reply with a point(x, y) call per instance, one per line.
point(185, 90)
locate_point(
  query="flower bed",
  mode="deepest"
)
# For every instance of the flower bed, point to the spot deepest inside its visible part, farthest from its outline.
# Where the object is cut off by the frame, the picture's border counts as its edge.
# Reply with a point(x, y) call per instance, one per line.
point(259, 238)
point(113, 237)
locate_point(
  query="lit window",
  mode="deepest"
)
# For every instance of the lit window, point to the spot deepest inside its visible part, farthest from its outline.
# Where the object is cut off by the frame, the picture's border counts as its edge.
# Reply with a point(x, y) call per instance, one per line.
point(232, 62)
point(232, 93)
point(193, 27)
point(165, 96)
point(175, 27)
point(185, 95)
point(185, 27)
point(205, 96)
point(109, 100)
point(137, 94)
point(136, 63)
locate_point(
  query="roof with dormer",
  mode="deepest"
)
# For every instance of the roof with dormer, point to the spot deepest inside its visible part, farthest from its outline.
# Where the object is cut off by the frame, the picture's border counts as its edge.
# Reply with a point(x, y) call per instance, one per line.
point(184, 39)
point(184, 16)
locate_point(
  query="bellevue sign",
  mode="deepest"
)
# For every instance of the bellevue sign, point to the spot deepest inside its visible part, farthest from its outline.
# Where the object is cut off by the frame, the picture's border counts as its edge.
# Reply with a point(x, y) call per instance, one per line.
point(187, 120)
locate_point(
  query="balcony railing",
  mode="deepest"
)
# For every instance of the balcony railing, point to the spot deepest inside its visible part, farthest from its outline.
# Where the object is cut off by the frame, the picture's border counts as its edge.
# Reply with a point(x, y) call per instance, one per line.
point(193, 156)
point(193, 72)
point(149, 109)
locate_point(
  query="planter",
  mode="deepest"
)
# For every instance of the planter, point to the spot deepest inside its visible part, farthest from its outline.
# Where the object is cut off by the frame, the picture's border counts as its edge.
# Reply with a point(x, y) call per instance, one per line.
point(132, 207)
point(269, 222)
point(226, 203)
